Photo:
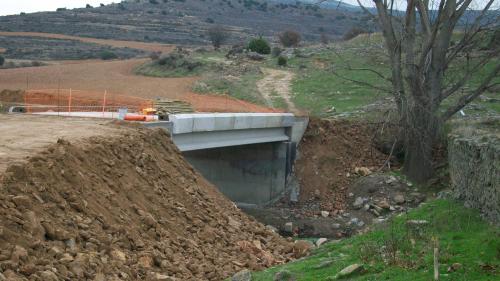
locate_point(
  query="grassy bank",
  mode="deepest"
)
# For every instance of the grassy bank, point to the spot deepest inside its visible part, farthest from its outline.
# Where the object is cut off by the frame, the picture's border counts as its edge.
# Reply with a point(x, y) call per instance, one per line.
point(242, 87)
point(321, 83)
point(469, 249)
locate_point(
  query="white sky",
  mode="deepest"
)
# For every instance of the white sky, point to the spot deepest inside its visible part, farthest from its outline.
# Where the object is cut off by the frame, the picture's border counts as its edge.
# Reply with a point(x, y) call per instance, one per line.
point(11, 7)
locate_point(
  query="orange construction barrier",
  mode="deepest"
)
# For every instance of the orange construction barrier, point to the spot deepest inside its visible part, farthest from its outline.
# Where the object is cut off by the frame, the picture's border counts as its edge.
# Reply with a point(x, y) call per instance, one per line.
point(69, 100)
point(130, 117)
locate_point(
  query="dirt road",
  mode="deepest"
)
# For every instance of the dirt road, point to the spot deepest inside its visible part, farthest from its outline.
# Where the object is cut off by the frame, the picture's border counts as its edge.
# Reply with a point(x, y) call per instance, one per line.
point(150, 47)
point(23, 135)
point(276, 83)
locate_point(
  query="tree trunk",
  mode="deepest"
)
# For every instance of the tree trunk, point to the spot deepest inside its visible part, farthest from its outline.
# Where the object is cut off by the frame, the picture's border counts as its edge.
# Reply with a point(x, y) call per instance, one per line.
point(420, 136)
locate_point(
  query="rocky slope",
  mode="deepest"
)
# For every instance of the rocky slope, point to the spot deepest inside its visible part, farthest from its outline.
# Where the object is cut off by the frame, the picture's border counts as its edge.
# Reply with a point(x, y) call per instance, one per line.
point(126, 207)
point(186, 21)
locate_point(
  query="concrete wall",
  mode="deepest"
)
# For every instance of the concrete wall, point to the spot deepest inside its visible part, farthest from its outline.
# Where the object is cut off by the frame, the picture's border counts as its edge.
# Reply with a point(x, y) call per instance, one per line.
point(252, 174)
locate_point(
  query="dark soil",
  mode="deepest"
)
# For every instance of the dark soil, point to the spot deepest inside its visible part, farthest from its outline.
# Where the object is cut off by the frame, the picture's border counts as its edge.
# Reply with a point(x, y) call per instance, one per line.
point(10, 96)
point(331, 155)
point(330, 152)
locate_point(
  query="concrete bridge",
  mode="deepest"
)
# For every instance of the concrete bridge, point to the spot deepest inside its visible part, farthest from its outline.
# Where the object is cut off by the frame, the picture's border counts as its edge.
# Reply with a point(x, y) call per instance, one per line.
point(248, 156)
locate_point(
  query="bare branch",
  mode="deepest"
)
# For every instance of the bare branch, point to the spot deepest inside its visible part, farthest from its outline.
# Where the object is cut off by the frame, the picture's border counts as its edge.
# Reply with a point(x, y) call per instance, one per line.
point(424, 16)
point(366, 10)
point(350, 68)
point(363, 83)
point(466, 99)
point(372, 71)
point(469, 35)
point(466, 77)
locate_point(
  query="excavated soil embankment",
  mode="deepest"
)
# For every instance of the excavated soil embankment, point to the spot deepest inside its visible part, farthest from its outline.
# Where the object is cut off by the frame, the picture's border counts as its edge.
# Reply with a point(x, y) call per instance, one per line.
point(126, 207)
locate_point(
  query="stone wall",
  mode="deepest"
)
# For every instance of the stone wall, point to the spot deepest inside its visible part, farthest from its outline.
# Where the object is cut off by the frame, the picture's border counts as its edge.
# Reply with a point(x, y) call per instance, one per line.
point(474, 158)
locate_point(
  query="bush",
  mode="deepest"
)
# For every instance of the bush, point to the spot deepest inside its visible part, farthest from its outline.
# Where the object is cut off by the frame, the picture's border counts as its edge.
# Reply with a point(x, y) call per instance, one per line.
point(2, 60)
point(154, 56)
point(282, 61)
point(36, 63)
point(276, 51)
point(217, 35)
point(324, 39)
point(176, 61)
point(88, 6)
point(259, 45)
point(289, 38)
point(353, 32)
point(108, 55)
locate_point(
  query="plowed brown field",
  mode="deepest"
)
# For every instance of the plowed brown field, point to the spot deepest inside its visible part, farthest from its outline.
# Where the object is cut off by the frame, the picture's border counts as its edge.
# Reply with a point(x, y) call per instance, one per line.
point(151, 47)
point(117, 77)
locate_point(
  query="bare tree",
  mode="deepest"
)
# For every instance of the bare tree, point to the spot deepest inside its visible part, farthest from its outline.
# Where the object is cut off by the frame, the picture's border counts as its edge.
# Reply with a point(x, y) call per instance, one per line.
point(426, 44)
point(289, 38)
point(217, 35)
point(324, 39)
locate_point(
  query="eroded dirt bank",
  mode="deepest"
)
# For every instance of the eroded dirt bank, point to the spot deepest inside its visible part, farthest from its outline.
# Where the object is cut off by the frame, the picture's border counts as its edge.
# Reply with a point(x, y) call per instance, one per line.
point(126, 207)
point(343, 188)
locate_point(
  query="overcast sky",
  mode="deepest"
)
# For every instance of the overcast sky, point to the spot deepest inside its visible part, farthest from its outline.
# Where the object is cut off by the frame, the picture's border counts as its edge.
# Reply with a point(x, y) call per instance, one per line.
point(10, 7)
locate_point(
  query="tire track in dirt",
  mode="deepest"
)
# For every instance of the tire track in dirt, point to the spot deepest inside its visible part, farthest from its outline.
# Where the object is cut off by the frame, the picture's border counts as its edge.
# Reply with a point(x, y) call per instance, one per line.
point(277, 82)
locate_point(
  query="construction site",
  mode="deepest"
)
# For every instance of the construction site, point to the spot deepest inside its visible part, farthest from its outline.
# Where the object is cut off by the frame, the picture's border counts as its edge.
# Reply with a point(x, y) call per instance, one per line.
point(260, 157)
point(115, 187)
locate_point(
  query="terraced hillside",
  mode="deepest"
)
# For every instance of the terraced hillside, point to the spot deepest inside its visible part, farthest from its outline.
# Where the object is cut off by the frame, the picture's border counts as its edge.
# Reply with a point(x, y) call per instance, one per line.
point(186, 21)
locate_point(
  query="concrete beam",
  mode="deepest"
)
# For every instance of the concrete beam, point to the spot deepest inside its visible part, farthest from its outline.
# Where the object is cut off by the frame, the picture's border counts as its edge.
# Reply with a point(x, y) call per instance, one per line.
point(205, 140)
point(206, 122)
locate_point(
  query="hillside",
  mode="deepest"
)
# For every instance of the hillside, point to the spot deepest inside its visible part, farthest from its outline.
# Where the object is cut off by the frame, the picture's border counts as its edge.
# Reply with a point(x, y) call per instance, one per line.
point(186, 21)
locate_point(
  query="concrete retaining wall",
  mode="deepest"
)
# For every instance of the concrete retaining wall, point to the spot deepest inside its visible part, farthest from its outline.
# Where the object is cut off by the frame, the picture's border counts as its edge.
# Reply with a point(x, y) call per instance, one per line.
point(474, 160)
point(208, 122)
point(251, 174)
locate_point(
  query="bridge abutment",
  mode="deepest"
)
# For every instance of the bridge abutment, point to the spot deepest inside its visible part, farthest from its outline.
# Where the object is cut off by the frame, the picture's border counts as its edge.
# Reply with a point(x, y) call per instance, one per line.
point(250, 174)
point(248, 156)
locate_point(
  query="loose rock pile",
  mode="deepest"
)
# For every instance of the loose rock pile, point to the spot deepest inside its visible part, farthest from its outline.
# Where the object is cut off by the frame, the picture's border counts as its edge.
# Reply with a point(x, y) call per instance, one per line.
point(124, 208)
point(474, 157)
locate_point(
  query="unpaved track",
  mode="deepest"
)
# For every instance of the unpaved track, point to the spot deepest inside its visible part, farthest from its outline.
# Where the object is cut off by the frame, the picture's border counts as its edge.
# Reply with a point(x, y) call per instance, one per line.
point(150, 47)
point(278, 82)
point(24, 135)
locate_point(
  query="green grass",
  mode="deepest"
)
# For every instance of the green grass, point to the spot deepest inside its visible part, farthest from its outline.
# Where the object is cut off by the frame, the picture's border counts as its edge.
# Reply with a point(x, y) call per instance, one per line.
point(278, 101)
point(243, 87)
point(463, 238)
point(155, 70)
point(208, 63)
point(316, 89)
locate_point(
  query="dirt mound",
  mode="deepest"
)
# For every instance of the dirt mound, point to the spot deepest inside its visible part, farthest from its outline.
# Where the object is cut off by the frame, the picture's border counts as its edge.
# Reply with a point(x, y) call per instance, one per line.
point(126, 207)
point(330, 152)
point(10, 96)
